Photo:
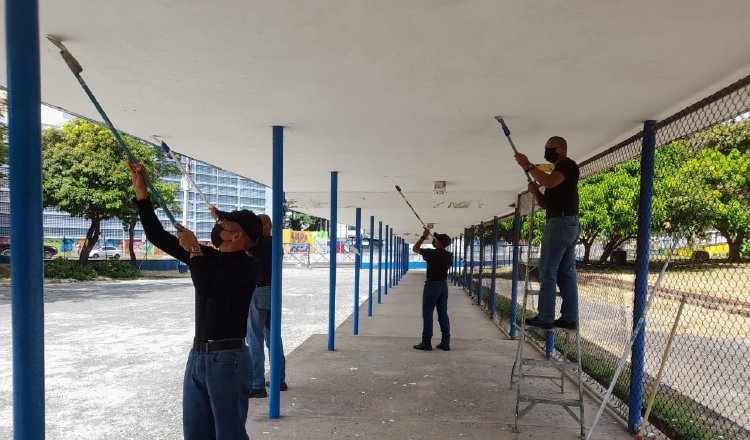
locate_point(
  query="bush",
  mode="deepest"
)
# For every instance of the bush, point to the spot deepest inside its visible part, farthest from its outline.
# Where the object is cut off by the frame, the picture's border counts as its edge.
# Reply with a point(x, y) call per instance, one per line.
point(118, 269)
point(62, 268)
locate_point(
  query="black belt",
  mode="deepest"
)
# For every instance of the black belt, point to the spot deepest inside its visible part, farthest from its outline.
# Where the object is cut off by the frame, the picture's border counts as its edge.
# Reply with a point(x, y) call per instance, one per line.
point(551, 214)
point(223, 344)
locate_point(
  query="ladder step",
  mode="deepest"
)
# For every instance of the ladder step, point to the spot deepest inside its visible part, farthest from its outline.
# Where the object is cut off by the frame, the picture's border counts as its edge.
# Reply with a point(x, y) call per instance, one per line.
point(535, 292)
point(550, 363)
point(549, 400)
point(522, 327)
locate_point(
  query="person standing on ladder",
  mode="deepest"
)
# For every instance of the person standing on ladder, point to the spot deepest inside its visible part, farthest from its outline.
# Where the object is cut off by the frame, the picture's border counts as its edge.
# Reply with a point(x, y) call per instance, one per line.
point(557, 263)
point(435, 292)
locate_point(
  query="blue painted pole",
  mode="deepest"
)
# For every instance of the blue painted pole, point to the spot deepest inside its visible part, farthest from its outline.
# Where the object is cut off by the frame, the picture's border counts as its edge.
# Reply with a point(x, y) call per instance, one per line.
point(332, 263)
point(480, 228)
point(372, 263)
point(516, 259)
point(277, 238)
point(391, 260)
point(380, 257)
point(471, 267)
point(396, 260)
point(643, 242)
point(387, 262)
point(495, 224)
point(25, 181)
point(357, 266)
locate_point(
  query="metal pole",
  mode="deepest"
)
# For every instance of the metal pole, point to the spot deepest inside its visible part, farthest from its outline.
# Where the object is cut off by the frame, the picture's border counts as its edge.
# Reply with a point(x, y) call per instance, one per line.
point(372, 262)
point(495, 224)
point(380, 256)
point(471, 263)
point(641, 271)
point(25, 181)
point(516, 258)
point(390, 251)
point(386, 263)
point(465, 246)
point(481, 264)
point(357, 264)
point(332, 226)
point(277, 253)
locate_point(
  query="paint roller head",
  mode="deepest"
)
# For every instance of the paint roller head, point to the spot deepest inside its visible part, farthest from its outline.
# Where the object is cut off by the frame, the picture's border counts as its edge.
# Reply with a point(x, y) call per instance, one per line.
point(68, 57)
point(506, 130)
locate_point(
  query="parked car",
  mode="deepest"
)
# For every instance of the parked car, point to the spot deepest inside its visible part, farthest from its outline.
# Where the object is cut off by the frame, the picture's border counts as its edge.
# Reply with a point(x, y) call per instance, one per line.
point(49, 251)
point(106, 252)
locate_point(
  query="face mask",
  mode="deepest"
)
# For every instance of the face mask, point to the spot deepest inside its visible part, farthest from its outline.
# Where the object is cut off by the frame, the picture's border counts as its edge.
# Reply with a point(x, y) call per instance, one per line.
point(551, 155)
point(216, 235)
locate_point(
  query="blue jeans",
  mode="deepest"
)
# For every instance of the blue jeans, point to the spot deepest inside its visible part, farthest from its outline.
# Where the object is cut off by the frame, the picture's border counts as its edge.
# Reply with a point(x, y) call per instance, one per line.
point(557, 267)
point(258, 331)
point(435, 294)
point(215, 395)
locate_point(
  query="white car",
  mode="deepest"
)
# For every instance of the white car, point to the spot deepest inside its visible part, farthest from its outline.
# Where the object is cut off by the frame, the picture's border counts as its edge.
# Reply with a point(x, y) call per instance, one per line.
point(106, 252)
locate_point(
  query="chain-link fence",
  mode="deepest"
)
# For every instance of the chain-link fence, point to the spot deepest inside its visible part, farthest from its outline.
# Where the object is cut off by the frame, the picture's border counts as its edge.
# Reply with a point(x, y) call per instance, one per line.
point(700, 221)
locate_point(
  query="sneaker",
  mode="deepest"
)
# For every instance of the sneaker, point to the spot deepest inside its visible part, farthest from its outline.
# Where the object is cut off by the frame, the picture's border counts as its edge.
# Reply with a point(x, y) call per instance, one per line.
point(536, 322)
point(423, 346)
point(444, 346)
point(282, 387)
point(258, 394)
point(561, 323)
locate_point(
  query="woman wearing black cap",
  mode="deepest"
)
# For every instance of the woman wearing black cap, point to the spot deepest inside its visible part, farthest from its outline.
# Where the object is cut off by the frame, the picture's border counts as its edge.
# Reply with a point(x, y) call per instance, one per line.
point(435, 292)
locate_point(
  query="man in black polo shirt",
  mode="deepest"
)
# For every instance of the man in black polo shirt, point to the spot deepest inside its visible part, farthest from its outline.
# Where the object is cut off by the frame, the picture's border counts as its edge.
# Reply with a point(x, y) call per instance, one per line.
point(557, 263)
point(217, 378)
point(435, 293)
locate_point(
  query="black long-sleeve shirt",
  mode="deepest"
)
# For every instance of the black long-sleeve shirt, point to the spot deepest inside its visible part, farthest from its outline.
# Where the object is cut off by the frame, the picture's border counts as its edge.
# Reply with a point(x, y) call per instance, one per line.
point(224, 281)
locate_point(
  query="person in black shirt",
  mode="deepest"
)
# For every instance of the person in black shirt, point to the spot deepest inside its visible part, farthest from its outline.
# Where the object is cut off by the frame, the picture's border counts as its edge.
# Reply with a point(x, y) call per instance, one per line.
point(435, 293)
point(557, 264)
point(218, 373)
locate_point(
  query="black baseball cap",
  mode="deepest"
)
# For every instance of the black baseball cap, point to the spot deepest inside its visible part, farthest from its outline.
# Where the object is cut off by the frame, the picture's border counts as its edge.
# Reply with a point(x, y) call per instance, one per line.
point(248, 221)
point(444, 239)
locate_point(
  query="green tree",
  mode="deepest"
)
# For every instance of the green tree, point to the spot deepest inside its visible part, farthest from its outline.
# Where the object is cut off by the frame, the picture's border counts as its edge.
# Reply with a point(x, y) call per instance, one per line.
point(298, 221)
point(593, 214)
point(85, 175)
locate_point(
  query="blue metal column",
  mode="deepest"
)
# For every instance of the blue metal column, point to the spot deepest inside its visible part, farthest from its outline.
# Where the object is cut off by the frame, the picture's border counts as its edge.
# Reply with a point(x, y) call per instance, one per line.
point(471, 268)
point(386, 263)
point(494, 266)
point(372, 263)
point(480, 228)
point(397, 260)
point(516, 255)
point(454, 249)
point(393, 258)
point(380, 257)
point(357, 266)
point(26, 260)
point(332, 227)
point(277, 238)
point(465, 267)
point(643, 241)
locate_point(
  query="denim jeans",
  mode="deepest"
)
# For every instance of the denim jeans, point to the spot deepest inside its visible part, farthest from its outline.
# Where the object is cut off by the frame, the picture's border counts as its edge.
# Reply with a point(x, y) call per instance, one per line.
point(435, 294)
point(557, 267)
point(258, 331)
point(215, 395)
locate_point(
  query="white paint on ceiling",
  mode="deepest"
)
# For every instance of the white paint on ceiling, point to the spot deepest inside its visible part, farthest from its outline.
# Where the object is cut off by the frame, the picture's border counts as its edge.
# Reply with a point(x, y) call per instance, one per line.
point(390, 92)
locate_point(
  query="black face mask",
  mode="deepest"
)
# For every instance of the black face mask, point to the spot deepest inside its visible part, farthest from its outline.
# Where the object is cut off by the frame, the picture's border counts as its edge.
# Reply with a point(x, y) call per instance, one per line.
point(551, 155)
point(216, 235)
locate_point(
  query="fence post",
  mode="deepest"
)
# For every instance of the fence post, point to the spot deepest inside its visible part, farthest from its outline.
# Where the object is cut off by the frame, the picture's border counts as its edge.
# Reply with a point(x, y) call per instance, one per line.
point(372, 263)
point(357, 264)
point(471, 267)
point(466, 261)
point(25, 180)
point(480, 291)
point(332, 228)
point(516, 261)
point(277, 253)
point(380, 256)
point(385, 258)
point(494, 266)
point(641, 271)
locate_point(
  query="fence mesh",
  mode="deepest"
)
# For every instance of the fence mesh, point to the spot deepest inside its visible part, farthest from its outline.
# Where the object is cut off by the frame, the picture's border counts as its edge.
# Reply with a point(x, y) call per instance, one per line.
point(701, 209)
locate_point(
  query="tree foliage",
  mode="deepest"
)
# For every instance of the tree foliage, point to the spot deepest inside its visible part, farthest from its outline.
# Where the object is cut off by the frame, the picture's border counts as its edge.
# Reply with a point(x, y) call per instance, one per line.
point(85, 174)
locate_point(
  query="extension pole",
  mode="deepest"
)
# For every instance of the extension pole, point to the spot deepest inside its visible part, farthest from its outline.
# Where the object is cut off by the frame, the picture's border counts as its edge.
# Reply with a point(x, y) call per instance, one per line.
point(506, 130)
point(184, 171)
point(664, 359)
point(76, 68)
point(398, 188)
point(25, 181)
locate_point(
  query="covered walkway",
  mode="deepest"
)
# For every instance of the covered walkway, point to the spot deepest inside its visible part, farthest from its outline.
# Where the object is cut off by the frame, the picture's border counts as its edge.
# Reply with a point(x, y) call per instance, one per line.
point(375, 386)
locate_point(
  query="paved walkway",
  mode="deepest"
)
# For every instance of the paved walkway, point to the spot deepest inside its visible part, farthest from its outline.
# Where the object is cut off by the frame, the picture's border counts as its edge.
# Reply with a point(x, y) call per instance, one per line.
point(375, 386)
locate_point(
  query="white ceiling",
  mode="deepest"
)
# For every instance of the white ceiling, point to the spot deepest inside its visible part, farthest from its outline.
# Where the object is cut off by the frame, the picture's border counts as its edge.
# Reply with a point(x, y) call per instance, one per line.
point(390, 92)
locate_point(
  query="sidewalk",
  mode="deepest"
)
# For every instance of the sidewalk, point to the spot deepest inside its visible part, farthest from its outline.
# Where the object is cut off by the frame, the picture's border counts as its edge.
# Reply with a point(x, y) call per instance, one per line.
point(375, 386)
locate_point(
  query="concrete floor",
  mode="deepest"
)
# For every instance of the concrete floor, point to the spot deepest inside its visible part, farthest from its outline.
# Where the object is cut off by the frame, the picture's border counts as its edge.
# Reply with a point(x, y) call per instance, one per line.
point(375, 386)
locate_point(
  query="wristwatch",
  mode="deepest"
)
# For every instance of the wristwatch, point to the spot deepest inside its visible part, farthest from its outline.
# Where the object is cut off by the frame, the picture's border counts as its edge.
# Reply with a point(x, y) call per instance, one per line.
point(530, 167)
point(195, 249)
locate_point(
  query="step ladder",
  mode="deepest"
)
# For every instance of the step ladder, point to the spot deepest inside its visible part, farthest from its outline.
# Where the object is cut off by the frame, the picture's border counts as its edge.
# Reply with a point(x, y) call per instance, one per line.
point(525, 369)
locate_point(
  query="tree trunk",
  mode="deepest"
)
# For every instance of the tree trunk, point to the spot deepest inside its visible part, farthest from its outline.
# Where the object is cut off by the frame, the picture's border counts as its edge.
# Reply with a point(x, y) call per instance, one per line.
point(131, 248)
point(612, 244)
point(735, 244)
point(587, 249)
point(92, 237)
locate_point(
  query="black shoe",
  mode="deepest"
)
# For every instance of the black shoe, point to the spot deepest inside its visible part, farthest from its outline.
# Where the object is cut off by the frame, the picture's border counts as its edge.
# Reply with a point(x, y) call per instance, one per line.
point(423, 346)
point(561, 323)
point(536, 322)
point(258, 394)
point(282, 387)
point(444, 346)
